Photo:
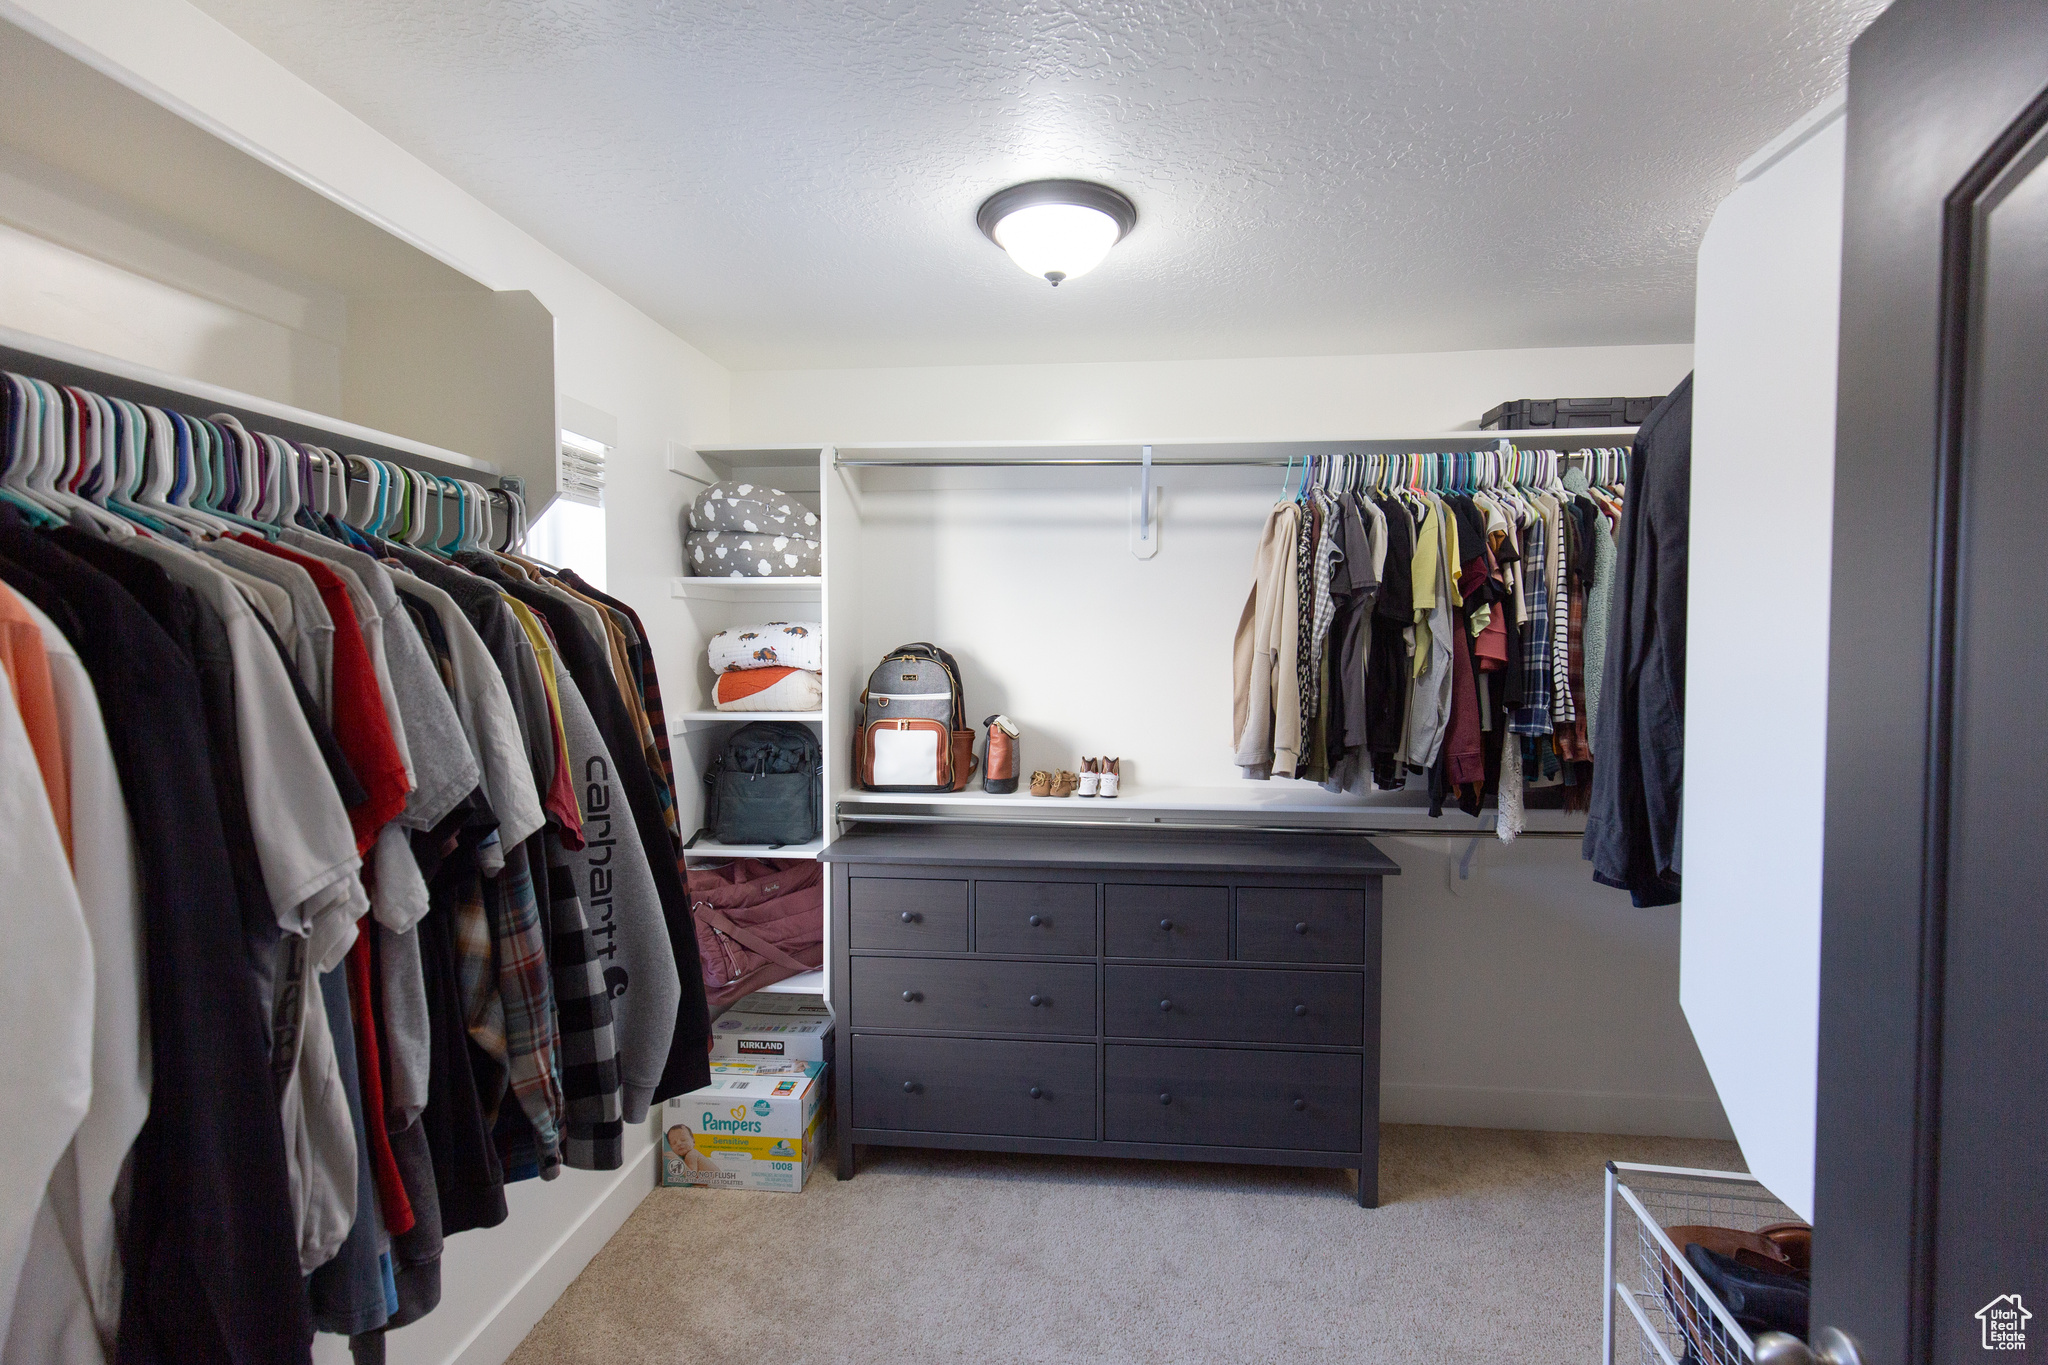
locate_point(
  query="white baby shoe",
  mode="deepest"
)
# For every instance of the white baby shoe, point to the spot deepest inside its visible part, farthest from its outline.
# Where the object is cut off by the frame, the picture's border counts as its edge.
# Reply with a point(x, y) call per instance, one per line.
point(1108, 778)
point(1091, 780)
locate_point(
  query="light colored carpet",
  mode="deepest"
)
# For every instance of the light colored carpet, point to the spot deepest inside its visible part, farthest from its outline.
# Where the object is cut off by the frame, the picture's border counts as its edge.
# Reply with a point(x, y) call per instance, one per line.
point(1487, 1248)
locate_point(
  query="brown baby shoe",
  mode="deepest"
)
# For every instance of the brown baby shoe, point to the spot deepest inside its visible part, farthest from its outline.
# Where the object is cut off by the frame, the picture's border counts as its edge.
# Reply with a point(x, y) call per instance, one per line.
point(1064, 782)
point(1041, 783)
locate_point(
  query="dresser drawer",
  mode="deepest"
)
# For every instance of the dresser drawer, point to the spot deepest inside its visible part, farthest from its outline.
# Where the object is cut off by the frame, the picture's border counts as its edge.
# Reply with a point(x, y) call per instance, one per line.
point(1056, 918)
point(1234, 1005)
point(1166, 921)
point(1214, 1097)
point(967, 995)
point(907, 912)
point(1287, 924)
point(974, 1085)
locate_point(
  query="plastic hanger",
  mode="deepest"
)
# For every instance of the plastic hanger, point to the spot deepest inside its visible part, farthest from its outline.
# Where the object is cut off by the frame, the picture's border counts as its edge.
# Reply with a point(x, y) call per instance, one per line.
point(14, 456)
point(233, 494)
point(68, 456)
point(162, 465)
point(130, 448)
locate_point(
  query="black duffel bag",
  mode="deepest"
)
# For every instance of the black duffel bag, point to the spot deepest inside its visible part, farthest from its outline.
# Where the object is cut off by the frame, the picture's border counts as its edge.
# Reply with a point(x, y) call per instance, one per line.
point(767, 786)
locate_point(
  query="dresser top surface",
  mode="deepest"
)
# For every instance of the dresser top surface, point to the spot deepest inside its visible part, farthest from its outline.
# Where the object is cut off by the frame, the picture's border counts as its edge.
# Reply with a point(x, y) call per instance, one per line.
point(1137, 849)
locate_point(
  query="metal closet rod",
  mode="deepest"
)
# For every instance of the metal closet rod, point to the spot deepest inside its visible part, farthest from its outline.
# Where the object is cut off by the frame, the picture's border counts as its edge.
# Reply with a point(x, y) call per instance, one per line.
point(436, 489)
point(1038, 464)
point(1122, 462)
point(852, 817)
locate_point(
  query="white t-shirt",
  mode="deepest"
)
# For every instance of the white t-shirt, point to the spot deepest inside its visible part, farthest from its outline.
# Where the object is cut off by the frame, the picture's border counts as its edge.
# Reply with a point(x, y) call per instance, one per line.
point(46, 997)
point(69, 1304)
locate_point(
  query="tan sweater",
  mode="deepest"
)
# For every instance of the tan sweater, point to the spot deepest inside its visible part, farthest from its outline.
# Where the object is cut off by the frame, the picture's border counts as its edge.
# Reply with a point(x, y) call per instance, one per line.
point(1265, 692)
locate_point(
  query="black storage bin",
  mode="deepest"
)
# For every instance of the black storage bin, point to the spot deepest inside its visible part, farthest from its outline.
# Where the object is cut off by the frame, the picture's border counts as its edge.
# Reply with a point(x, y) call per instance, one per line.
point(1536, 414)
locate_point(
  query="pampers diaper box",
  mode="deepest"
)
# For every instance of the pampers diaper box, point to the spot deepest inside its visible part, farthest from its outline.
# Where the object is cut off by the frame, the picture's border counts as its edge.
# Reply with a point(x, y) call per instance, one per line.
point(767, 1024)
point(759, 1125)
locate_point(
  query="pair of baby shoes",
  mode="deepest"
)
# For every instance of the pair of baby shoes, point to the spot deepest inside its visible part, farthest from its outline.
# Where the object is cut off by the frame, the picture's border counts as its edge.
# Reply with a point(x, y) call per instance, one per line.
point(1061, 783)
point(1101, 776)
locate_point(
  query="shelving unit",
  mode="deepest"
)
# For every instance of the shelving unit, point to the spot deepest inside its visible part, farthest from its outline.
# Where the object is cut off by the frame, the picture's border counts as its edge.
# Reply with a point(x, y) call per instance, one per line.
point(850, 483)
point(715, 604)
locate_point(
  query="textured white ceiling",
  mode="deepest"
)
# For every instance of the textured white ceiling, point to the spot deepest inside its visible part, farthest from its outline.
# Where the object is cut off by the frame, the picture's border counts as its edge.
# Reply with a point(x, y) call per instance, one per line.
point(791, 184)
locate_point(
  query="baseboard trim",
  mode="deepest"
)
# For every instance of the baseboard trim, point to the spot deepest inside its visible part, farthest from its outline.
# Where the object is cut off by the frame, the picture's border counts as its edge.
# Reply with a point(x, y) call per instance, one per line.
point(1555, 1111)
point(525, 1300)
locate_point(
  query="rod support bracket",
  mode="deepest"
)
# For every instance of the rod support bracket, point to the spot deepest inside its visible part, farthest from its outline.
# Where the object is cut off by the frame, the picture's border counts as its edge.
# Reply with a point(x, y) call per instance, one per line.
point(1145, 511)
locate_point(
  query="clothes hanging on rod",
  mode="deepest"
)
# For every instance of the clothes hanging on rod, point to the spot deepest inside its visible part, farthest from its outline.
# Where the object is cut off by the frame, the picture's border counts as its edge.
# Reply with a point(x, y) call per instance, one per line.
point(1424, 616)
point(343, 873)
point(1633, 828)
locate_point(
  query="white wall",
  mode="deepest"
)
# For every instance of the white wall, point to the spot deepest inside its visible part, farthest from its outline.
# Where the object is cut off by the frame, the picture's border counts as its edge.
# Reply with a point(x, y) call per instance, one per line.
point(50, 290)
point(1756, 756)
point(1523, 996)
point(609, 357)
point(1298, 398)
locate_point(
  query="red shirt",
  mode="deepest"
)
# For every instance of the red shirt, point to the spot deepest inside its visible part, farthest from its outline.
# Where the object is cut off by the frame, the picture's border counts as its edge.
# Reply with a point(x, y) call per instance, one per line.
point(360, 725)
point(398, 1215)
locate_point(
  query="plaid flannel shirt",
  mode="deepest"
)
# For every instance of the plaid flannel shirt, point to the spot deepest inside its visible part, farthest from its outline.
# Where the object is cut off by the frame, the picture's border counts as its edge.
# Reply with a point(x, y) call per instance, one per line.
point(1532, 717)
point(527, 1004)
point(593, 1138)
point(1561, 711)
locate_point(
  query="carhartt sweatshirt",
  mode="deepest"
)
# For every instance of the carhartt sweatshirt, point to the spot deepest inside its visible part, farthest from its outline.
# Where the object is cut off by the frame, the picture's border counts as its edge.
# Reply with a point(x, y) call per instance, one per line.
point(623, 908)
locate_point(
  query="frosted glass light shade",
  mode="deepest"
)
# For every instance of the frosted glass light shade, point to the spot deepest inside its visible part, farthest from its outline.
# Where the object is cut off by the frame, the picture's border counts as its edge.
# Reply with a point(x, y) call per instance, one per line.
point(1057, 241)
point(1057, 229)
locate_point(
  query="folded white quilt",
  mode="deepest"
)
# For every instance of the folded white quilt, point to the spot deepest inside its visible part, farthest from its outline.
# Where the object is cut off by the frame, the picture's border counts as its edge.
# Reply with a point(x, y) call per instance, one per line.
point(777, 644)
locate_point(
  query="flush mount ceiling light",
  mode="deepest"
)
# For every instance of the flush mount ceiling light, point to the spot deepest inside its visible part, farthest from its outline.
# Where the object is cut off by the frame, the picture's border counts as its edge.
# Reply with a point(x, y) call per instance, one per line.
point(1057, 229)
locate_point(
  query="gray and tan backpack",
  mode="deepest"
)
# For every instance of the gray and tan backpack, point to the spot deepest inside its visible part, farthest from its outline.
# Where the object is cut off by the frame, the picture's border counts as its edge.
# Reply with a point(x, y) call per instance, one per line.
point(913, 734)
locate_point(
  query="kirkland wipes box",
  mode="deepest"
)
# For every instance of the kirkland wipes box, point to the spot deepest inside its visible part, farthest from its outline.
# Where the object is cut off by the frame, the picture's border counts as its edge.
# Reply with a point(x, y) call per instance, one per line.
point(767, 1025)
point(759, 1125)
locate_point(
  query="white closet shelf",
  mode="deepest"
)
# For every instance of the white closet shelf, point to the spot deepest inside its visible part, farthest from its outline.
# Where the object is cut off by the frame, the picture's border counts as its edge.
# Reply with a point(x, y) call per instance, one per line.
point(1247, 803)
point(762, 457)
point(1168, 451)
point(697, 719)
point(707, 849)
point(744, 589)
point(805, 983)
point(205, 395)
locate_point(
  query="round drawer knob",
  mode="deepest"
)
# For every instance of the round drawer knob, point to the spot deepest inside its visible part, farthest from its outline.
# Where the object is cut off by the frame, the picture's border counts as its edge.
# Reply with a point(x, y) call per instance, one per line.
point(1166, 924)
point(1165, 1005)
point(1301, 926)
point(910, 995)
point(1165, 1098)
point(1300, 1010)
point(1035, 921)
point(1301, 1104)
point(909, 917)
point(1038, 1000)
point(910, 1087)
point(1036, 1093)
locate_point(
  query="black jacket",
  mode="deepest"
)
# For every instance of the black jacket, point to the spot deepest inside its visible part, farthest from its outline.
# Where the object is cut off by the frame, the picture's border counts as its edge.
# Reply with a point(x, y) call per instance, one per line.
point(1632, 829)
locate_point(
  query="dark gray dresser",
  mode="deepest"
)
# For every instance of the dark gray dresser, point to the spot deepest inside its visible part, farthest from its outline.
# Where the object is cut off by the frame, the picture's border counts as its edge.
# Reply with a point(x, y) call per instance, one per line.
point(1175, 995)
